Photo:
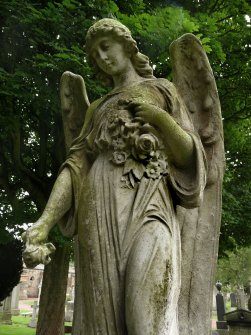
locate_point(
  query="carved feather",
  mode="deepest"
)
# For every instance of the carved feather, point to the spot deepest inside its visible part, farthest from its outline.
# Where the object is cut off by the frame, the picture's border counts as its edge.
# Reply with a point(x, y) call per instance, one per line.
point(195, 82)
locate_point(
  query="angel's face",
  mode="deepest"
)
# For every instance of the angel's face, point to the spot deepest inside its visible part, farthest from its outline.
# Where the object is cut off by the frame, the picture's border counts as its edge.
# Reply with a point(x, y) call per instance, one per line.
point(110, 56)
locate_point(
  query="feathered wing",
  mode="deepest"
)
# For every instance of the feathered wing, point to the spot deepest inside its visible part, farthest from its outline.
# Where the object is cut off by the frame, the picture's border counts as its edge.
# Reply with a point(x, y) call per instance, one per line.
point(74, 104)
point(194, 80)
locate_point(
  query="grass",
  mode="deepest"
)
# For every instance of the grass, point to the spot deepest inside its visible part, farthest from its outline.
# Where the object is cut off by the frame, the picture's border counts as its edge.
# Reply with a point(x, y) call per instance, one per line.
point(19, 326)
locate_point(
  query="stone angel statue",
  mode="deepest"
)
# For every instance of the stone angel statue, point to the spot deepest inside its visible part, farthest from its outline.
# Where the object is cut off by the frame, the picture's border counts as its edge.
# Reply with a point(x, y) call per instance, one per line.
point(140, 189)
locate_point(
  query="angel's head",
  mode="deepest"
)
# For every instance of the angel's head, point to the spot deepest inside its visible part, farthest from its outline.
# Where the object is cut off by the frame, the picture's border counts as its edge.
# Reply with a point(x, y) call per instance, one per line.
point(110, 33)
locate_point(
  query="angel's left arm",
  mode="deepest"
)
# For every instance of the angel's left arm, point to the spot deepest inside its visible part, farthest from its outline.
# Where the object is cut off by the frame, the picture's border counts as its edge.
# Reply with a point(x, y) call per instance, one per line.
point(178, 143)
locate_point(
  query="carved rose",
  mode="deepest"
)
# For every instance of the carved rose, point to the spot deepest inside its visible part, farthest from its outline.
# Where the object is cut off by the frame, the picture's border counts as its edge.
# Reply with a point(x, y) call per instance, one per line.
point(119, 157)
point(145, 145)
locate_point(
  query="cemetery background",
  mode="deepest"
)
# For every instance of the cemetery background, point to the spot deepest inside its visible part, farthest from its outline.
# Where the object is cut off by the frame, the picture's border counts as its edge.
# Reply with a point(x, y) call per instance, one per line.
point(38, 48)
point(19, 311)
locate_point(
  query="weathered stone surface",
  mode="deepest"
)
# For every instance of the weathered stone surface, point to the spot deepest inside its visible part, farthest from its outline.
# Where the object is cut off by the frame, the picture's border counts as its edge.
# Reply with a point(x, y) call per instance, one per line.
point(33, 321)
point(131, 190)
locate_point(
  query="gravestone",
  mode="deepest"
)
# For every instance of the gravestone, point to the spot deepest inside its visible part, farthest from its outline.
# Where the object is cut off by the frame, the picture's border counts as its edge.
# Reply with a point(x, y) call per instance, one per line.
point(33, 321)
point(220, 305)
point(15, 300)
point(69, 308)
point(5, 311)
point(233, 300)
point(241, 298)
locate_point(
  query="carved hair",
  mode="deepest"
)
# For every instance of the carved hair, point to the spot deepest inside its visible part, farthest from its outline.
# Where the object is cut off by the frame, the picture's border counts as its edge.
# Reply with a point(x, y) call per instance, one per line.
point(121, 34)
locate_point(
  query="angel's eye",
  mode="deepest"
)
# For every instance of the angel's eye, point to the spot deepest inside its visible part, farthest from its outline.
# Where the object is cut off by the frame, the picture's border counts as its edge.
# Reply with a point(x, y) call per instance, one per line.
point(105, 46)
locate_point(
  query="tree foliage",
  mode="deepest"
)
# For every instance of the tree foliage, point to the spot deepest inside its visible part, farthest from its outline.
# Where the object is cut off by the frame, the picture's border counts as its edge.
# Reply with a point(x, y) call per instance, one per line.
point(234, 270)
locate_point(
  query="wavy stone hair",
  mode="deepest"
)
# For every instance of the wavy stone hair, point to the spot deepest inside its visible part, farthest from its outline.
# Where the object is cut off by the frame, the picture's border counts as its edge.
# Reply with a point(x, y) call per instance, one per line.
point(121, 34)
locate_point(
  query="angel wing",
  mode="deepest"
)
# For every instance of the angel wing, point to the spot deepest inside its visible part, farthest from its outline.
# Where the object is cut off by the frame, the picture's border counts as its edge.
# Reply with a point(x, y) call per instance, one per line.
point(74, 104)
point(194, 80)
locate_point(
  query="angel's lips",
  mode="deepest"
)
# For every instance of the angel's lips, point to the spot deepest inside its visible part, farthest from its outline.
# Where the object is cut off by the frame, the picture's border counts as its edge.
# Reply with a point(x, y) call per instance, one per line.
point(107, 65)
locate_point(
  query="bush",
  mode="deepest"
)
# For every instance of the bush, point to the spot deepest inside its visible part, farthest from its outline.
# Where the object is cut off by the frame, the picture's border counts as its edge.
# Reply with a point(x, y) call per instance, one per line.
point(11, 266)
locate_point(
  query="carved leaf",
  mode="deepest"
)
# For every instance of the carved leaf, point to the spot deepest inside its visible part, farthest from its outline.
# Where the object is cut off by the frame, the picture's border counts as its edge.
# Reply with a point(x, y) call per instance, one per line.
point(137, 168)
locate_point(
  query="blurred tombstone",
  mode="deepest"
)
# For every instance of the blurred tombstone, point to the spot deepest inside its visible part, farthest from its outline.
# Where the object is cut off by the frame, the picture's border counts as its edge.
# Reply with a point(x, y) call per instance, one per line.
point(241, 298)
point(15, 300)
point(33, 321)
point(39, 290)
point(69, 308)
point(249, 300)
point(5, 311)
point(220, 306)
point(233, 300)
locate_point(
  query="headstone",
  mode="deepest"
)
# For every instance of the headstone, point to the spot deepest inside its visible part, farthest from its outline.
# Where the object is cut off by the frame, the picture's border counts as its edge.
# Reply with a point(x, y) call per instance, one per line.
point(33, 321)
point(5, 311)
point(220, 305)
point(241, 298)
point(72, 293)
point(69, 308)
point(39, 290)
point(15, 300)
point(249, 299)
point(233, 300)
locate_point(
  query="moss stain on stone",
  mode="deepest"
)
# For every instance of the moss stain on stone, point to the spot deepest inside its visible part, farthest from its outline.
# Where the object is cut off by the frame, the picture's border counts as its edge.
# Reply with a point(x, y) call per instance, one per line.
point(159, 299)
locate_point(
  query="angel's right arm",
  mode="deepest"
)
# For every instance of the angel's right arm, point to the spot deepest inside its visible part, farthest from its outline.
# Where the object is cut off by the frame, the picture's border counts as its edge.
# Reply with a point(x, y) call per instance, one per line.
point(59, 203)
point(60, 199)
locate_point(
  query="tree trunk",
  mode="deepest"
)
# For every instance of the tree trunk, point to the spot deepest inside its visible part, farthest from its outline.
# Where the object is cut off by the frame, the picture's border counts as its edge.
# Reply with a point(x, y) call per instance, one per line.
point(52, 300)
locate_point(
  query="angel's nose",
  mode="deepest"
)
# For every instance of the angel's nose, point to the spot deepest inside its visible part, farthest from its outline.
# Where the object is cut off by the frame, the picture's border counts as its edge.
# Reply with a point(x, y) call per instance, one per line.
point(102, 55)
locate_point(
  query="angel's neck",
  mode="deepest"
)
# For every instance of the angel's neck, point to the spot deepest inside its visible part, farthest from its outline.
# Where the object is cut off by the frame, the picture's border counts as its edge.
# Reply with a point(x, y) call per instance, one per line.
point(126, 78)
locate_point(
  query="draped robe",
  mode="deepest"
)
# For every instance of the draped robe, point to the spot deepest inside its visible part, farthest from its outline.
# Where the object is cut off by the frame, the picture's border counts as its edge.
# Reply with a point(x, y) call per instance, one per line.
point(123, 181)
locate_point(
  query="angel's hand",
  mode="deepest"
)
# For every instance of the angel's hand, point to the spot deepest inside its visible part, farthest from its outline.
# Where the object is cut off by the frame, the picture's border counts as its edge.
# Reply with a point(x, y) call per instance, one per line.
point(36, 234)
point(37, 251)
point(147, 113)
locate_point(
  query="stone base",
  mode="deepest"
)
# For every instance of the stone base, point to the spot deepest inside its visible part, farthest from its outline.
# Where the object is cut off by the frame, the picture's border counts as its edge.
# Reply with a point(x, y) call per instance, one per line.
point(32, 323)
point(221, 325)
point(5, 318)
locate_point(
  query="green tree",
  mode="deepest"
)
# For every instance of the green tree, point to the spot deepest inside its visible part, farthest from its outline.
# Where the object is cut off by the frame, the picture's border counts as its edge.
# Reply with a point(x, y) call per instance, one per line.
point(234, 270)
